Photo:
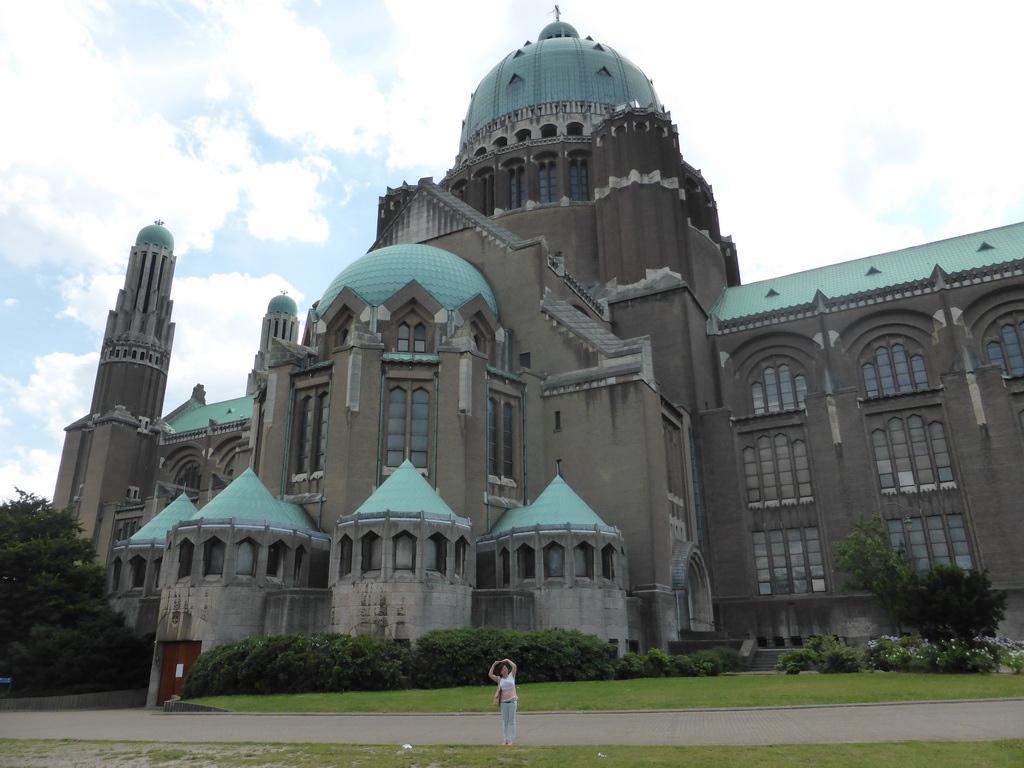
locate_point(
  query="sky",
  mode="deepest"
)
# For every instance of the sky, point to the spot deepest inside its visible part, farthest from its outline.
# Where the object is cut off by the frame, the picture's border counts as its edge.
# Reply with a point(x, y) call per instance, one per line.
point(262, 132)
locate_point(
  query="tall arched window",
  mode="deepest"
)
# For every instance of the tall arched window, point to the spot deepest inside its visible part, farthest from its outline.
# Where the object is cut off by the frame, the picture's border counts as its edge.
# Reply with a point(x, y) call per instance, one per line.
point(583, 560)
point(1005, 347)
point(516, 175)
point(245, 562)
point(213, 557)
point(554, 561)
point(275, 558)
point(306, 426)
point(189, 476)
point(185, 552)
point(371, 549)
point(501, 425)
point(408, 426)
point(526, 562)
point(435, 554)
point(579, 178)
point(777, 471)
point(548, 181)
point(405, 552)
point(322, 403)
point(778, 390)
point(911, 455)
point(892, 370)
point(345, 555)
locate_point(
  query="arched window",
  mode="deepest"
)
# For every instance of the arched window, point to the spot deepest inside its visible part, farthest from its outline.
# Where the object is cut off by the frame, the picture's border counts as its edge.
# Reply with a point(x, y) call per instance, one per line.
point(435, 554)
point(516, 186)
point(408, 423)
point(554, 561)
point(461, 548)
point(405, 552)
point(275, 558)
point(526, 562)
point(320, 461)
point(579, 178)
point(306, 426)
point(910, 455)
point(486, 181)
point(506, 568)
point(345, 555)
point(372, 546)
point(776, 471)
point(245, 558)
point(548, 131)
point(1005, 347)
point(189, 476)
point(583, 560)
point(892, 370)
point(574, 129)
point(524, 135)
point(298, 565)
point(115, 575)
point(548, 172)
point(412, 338)
point(501, 425)
point(186, 550)
point(778, 390)
point(213, 557)
point(608, 562)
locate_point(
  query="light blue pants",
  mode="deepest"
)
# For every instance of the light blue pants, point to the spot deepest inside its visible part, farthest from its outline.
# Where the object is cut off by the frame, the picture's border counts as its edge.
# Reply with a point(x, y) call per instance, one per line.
point(508, 719)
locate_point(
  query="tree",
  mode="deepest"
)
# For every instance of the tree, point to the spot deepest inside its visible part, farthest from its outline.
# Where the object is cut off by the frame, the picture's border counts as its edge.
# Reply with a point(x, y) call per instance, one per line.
point(949, 603)
point(874, 566)
point(57, 634)
point(47, 573)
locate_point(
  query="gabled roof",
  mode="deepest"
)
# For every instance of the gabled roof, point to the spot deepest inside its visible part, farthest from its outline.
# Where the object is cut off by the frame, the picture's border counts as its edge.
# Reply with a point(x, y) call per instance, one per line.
point(557, 505)
point(157, 529)
point(246, 498)
point(957, 254)
point(405, 491)
point(199, 416)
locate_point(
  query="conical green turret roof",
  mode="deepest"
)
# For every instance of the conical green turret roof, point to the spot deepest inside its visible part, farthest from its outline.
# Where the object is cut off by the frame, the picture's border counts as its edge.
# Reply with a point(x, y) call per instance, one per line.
point(405, 491)
point(246, 498)
point(557, 505)
point(157, 529)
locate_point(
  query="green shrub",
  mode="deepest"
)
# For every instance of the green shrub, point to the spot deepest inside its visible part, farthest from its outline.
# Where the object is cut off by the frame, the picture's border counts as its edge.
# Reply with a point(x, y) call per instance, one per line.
point(707, 663)
point(915, 654)
point(683, 666)
point(314, 663)
point(630, 666)
point(456, 657)
point(830, 656)
point(730, 658)
point(795, 662)
point(657, 663)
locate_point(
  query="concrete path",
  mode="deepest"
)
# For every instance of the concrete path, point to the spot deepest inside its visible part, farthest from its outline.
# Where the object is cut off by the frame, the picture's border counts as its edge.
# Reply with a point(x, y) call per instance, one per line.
point(918, 721)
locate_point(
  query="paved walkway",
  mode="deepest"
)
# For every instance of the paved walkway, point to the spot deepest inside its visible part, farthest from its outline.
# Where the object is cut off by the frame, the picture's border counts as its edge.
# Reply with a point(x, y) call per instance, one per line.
point(918, 721)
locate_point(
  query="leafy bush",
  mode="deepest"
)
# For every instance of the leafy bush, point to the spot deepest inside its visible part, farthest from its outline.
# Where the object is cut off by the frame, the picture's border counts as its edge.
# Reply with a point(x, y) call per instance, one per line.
point(915, 654)
point(455, 657)
point(683, 666)
point(630, 667)
point(314, 663)
point(730, 658)
point(707, 663)
point(795, 662)
point(657, 663)
point(830, 656)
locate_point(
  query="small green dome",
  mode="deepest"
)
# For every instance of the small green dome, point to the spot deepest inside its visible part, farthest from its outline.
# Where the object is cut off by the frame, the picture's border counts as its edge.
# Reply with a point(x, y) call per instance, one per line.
point(379, 275)
point(156, 234)
point(559, 67)
point(283, 304)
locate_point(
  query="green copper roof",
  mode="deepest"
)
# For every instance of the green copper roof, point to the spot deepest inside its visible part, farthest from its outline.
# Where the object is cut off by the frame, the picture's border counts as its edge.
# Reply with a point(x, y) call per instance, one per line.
point(246, 498)
point(560, 68)
point(380, 274)
point(958, 254)
point(198, 416)
point(157, 529)
point(557, 505)
point(155, 234)
point(405, 491)
point(284, 304)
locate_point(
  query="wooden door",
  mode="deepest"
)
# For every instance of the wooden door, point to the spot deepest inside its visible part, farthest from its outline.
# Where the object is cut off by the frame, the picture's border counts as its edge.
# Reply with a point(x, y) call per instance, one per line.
point(178, 660)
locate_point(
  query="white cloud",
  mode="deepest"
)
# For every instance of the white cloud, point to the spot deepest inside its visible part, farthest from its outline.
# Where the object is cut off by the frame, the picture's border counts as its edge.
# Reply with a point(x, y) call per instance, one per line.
point(88, 298)
point(217, 332)
point(57, 392)
point(286, 202)
point(31, 470)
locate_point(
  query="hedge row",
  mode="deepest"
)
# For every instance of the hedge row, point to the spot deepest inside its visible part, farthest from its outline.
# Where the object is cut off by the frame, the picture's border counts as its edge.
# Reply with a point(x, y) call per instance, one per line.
point(440, 659)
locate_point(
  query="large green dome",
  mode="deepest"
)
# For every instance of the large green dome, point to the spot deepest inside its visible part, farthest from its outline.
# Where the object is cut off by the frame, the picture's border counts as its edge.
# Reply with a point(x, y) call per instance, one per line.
point(379, 275)
point(559, 67)
point(156, 234)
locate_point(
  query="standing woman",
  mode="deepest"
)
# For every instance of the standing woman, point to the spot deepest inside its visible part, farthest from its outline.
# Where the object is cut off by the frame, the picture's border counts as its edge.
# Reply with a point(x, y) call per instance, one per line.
point(507, 697)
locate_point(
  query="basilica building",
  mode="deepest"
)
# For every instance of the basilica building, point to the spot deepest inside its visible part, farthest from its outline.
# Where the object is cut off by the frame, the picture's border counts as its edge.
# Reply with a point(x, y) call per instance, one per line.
point(544, 399)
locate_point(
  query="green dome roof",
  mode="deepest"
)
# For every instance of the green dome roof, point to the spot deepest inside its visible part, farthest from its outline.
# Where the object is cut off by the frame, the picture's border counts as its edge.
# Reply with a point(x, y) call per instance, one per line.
point(284, 304)
point(558, 67)
point(379, 275)
point(155, 234)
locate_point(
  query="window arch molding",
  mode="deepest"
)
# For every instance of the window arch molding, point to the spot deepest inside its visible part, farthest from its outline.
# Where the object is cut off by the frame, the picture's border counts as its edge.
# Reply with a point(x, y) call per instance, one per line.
point(785, 357)
point(1002, 342)
point(891, 364)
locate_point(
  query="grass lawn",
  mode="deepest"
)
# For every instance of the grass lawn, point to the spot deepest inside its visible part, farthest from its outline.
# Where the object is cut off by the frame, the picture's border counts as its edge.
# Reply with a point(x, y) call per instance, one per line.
point(651, 693)
point(93, 754)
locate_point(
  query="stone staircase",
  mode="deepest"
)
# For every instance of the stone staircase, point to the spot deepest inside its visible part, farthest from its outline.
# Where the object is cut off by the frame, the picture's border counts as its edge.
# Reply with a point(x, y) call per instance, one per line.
point(764, 659)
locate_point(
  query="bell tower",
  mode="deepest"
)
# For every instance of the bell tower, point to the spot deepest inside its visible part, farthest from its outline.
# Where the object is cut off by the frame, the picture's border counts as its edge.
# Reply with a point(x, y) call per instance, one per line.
point(110, 455)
